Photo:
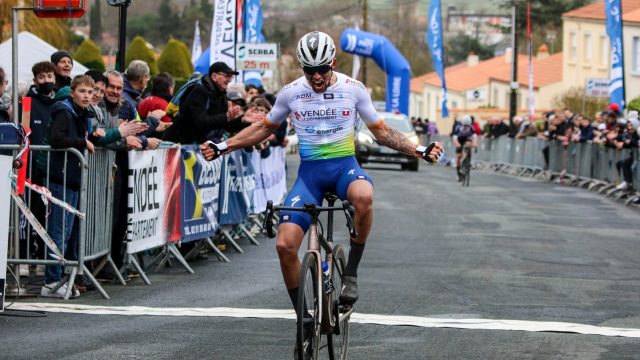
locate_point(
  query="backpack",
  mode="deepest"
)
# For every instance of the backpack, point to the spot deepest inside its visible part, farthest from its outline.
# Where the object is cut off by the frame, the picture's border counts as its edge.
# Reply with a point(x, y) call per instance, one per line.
point(173, 109)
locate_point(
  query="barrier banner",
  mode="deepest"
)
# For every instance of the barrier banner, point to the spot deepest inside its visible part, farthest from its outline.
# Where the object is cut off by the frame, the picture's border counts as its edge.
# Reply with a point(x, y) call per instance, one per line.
point(237, 185)
point(6, 163)
point(153, 199)
point(271, 178)
point(200, 190)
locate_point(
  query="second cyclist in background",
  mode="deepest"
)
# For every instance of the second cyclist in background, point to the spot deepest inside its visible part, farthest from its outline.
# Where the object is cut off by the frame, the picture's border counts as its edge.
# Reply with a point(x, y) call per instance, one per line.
point(464, 134)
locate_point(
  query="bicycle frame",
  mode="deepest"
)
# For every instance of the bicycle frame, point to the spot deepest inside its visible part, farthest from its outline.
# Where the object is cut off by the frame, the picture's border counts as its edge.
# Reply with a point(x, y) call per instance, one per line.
point(316, 243)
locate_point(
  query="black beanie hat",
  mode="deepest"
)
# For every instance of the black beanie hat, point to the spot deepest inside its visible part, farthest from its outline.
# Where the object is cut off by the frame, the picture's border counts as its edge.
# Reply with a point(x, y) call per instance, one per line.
point(58, 55)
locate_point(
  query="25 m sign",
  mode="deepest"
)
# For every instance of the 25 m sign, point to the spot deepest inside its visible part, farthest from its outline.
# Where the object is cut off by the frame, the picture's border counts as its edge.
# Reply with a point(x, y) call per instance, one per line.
point(262, 56)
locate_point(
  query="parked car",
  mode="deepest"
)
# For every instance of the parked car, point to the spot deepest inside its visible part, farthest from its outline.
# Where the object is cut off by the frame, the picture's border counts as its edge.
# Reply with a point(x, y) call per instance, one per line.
point(369, 151)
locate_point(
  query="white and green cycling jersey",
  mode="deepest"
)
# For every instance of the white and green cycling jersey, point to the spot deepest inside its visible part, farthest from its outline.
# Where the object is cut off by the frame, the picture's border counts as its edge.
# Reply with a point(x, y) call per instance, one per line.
point(324, 122)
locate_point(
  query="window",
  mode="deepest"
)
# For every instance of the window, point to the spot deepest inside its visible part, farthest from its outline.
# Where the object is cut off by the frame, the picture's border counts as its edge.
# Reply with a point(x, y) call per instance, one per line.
point(604, 50)
point(573, 46)
point(507, 99)
point(454, 104)
point(635, 56)
point(429, 101)
point(587, 48)
point(494, 98)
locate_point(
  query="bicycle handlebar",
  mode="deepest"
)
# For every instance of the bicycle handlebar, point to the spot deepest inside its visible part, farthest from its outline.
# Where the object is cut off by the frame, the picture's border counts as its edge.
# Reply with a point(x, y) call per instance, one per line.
point(311, 209)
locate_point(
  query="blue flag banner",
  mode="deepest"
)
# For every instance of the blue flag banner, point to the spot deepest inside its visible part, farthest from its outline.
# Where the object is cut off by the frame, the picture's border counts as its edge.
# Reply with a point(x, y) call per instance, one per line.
point(613, 11)
point(200, 189)
point(434, 40)
point(252, 30)
point(237, 184)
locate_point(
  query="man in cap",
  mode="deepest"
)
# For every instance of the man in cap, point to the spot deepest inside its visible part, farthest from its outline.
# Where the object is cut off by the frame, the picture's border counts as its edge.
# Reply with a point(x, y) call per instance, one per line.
point(64, 64)
point(205, 109)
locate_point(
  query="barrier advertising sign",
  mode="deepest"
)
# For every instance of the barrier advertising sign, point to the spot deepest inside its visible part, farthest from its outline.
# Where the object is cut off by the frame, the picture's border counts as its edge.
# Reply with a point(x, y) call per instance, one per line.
point(5, 189)
point(200, 190)
point(154, 199)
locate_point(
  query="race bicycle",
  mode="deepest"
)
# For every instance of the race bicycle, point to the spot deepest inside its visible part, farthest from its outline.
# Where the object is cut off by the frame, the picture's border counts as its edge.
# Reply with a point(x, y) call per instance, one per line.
point(465, 168)
point(318, 309)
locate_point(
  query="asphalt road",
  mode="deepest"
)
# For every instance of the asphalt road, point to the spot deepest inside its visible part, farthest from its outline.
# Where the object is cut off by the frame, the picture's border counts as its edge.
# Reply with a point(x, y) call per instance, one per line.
point(505, 248)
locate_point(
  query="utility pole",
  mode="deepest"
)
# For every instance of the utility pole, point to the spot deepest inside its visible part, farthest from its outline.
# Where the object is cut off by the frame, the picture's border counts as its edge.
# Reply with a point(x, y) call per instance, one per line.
point(365, 27)
point(513, 101)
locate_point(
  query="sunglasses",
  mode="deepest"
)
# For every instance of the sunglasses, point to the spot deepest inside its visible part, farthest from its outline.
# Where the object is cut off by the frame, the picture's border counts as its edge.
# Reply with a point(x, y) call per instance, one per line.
point(311, 70)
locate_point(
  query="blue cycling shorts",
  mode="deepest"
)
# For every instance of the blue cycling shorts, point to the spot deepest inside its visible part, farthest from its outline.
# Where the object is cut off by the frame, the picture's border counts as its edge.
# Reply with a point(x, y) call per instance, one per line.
point(315, 177)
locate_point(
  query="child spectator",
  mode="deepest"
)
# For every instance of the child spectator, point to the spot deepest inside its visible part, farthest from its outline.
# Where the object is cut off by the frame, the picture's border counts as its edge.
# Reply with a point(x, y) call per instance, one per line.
point(69, 129)
point(42, 99)
point(5, 99)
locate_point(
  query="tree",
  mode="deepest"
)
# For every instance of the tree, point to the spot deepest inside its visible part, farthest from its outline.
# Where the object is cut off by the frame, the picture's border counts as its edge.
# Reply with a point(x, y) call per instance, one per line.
point(575, 100)
point(88, 54)
point(138, 50)
point(174, 60)
point(458, 48)
point(95, 18)
point(546, 18)
point(167, 25)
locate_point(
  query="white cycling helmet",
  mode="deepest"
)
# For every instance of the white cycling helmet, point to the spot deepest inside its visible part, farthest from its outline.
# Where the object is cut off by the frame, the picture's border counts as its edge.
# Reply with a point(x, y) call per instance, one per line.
point(465, 120)
point(315, 49)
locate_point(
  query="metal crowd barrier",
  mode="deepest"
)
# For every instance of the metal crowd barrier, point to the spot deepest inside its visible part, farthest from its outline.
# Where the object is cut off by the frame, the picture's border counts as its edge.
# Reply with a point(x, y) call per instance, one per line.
point(30, 218)
point(583, 164)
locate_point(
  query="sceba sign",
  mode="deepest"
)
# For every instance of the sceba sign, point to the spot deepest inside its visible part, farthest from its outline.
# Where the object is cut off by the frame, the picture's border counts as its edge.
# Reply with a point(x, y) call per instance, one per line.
point(263, 56)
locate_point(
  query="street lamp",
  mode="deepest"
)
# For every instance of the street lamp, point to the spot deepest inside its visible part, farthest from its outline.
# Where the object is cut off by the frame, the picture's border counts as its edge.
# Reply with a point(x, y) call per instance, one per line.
point(122, 31)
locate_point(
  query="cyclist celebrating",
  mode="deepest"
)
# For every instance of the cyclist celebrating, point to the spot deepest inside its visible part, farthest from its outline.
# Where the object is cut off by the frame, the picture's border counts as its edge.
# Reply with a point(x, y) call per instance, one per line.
point(323, 105)
point(463, 133)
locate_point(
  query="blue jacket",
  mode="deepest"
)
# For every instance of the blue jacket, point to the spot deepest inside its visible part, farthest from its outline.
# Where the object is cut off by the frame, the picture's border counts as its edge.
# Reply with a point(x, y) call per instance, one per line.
point(69, 129)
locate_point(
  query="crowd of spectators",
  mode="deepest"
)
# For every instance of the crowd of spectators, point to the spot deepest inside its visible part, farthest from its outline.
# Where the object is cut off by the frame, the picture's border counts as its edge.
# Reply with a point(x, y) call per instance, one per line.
point(113, 110)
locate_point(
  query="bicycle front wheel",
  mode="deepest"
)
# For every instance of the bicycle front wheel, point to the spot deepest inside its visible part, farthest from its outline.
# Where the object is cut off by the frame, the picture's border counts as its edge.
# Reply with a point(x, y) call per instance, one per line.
point(467, 168)
point(338, 341)
point(308, 310)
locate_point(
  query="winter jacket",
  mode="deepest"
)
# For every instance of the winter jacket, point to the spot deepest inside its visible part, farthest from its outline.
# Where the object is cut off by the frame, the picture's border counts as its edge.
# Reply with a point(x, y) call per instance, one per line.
point(61, 81)
point(197, 121)
point(152, 103)
point(41, 106)
point(69, 129)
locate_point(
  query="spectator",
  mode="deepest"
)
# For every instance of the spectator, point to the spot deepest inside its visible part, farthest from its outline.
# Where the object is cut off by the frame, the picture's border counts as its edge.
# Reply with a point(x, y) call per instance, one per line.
point(42, 99)
point(5, 99)
point(497, 128)
point(112, 106)
point(205, 108)
point(112, 133)
point(432, 128)
point(527, 129)
point(513, 130)
point(69, 126)
point(64, 64)
point(586, 130)
point(632, 116)
point(627, 139)
point(135, 81)
point(251, 90)
point(156, 103)
point(476, 126)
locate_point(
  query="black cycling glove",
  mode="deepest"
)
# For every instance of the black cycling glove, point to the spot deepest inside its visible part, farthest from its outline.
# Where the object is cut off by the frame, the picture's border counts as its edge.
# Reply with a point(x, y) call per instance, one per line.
point(423, 151)
point(218, 149)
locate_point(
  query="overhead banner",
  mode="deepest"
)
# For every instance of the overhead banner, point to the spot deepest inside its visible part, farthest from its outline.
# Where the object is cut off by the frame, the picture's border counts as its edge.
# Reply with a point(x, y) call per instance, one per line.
point(200, 190)
point(389, 59)
point(237, 184)
point(153, 199)
point(613, 11)
point(223, 33)
point(5, 189)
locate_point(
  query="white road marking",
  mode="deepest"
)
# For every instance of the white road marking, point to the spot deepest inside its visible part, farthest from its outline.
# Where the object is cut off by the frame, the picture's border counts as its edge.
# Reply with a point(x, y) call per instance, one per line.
point(391, 320)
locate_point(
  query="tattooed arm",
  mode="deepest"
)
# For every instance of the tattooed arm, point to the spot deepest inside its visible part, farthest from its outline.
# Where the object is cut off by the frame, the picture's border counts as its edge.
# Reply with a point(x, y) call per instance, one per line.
point(392, 138)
